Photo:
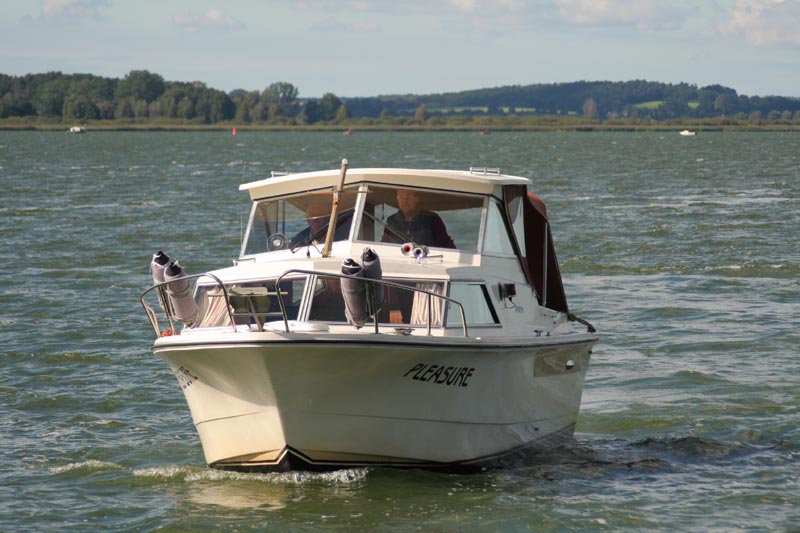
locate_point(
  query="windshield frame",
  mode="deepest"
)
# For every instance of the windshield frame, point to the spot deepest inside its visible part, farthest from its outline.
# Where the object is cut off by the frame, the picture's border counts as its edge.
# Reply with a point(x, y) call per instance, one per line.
point(322, 197)
point(366, 187)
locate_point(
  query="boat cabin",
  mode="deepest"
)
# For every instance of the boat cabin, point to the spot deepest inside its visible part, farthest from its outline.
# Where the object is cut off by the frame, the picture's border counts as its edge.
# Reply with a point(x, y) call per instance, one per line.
point(455, 249)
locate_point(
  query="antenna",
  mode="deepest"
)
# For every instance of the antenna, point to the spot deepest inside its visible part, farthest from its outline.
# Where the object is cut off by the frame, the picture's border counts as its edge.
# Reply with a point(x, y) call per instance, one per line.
point(241, 210)
point(326, 250)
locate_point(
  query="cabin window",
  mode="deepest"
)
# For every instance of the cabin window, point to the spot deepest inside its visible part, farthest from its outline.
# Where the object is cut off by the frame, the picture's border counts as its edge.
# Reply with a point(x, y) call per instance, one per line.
point(297, 222)
point(401, 306)
point(423, 217)
point(327, 303)
point(478, 308)
point(411, 307)
point(496, 240)
point(249, 302)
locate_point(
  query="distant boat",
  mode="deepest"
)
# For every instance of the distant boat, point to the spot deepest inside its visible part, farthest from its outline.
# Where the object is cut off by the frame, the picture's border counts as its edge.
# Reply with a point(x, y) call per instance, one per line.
point(77, 129)
point(485, 132)
point(687, 133)
point(348, 131)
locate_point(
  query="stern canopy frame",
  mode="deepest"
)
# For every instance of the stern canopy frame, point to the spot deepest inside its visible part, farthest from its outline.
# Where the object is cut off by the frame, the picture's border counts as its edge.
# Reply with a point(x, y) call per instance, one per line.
point(539, 260)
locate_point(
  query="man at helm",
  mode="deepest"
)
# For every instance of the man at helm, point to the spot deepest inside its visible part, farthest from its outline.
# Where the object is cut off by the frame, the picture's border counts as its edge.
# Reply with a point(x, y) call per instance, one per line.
point(415, 224)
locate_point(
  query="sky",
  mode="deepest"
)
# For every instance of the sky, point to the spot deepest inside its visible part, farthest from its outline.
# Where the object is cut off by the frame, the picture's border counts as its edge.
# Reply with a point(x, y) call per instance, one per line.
point(382, 47)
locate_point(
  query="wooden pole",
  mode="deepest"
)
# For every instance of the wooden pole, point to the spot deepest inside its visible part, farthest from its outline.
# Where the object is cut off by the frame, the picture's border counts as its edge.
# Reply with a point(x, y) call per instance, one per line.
point(326, 250)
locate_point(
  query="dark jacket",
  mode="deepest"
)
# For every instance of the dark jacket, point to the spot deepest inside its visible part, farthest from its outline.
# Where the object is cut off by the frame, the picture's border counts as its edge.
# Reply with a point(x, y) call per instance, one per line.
point(426, 228)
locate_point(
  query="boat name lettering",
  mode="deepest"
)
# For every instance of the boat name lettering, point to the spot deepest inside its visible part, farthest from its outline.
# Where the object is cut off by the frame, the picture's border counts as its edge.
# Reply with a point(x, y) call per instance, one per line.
point(454, 376)
point(185, 377)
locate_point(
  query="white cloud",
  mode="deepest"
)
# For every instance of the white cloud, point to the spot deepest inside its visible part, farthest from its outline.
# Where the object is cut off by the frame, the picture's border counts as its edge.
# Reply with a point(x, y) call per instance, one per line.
point(213, 20)
point(466, 6)
point(765, 22)
point(76, 9)
point(641, 14)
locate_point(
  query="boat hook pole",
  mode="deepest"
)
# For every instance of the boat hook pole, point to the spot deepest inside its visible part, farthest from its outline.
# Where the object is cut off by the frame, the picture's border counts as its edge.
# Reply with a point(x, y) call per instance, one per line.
point(334, 212)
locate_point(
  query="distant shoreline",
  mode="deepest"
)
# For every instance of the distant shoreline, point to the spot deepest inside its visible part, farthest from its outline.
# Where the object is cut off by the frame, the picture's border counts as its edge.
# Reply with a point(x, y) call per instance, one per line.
point(555, 126)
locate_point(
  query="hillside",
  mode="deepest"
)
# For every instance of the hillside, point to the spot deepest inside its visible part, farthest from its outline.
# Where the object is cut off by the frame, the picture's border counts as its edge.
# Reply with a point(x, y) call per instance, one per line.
point(602, 99)
point(142, 97)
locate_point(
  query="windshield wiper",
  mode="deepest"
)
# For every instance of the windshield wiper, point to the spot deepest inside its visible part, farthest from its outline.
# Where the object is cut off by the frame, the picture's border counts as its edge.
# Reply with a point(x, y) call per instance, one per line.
point(387, 227)
point(309, 239)
point(320, 232)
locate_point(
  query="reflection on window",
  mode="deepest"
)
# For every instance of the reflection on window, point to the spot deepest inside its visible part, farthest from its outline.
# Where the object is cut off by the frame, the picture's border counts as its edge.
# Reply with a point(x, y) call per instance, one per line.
point(515, 211)
point(478, 308)
point(327, 303)
point(435, 219)
point(402, 306)
point(249, 302)
point(297, 222)
point(496, 240)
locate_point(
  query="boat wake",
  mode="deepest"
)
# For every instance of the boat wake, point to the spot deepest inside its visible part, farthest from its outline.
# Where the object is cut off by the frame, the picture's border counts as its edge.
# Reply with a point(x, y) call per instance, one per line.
point(193, 474)
point(91, 465)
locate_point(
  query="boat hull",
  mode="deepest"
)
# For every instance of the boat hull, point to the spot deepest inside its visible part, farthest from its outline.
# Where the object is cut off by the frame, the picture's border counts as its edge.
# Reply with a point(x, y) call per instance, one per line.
point(275, 404)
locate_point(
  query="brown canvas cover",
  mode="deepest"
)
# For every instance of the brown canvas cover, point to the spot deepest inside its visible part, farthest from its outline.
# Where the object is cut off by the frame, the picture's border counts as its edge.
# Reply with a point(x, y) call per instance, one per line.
point(538, 238)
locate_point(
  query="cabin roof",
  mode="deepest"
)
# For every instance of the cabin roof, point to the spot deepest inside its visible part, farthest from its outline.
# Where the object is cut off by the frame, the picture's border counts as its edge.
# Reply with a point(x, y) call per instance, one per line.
point(475, 181)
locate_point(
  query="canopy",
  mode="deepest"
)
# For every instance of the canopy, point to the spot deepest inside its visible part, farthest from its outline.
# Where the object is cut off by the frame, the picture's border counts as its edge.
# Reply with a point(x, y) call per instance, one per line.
point(540, 262)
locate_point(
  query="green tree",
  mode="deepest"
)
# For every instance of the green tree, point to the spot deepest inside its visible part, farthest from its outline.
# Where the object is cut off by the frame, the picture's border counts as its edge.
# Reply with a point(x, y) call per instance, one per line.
point(8, 105)
point(310, 112)
point(281, 97)
point(245, 106)
point(49, 99)
point(80, 108)
point(185, 108)
point(213, 106)
point(141, 85)
point(329, 105)
point(12, 105)
point(124, 108)
point(725, 104)
point(342, 113)
point(140, 108)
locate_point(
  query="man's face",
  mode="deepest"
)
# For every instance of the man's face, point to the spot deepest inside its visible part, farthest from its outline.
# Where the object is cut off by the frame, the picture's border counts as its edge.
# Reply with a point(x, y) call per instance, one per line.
point(407, 201)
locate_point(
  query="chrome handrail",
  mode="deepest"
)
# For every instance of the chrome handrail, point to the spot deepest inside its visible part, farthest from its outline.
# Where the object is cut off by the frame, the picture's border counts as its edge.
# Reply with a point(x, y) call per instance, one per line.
point(163, 298)
point(370, 282)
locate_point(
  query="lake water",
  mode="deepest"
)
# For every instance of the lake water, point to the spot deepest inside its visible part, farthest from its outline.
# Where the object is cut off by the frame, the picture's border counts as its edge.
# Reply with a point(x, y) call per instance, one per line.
point(683, 252)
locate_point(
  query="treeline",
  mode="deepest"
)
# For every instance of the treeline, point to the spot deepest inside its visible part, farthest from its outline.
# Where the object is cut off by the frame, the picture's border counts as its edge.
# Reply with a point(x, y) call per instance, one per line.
point(146, 96)
point(601, 100)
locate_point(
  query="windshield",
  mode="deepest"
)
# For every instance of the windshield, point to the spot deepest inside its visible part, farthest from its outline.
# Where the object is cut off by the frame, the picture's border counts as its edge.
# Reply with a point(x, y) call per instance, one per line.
point(299, 221)
point(422, 217)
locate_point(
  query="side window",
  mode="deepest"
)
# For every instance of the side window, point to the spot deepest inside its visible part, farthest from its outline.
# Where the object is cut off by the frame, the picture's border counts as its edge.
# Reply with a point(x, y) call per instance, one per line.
point(411, 307)
point(496, 240)
point(518, 222)
point(327, 303)
point(478, 308)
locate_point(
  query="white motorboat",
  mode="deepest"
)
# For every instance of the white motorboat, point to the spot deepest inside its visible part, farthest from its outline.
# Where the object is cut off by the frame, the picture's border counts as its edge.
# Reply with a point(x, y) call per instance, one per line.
point(408, 318)
point(77, 129)
point(687, 133)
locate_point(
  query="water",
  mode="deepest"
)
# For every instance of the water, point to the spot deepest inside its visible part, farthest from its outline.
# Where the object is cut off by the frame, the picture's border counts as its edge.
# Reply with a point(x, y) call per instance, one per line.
point(684, 252)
